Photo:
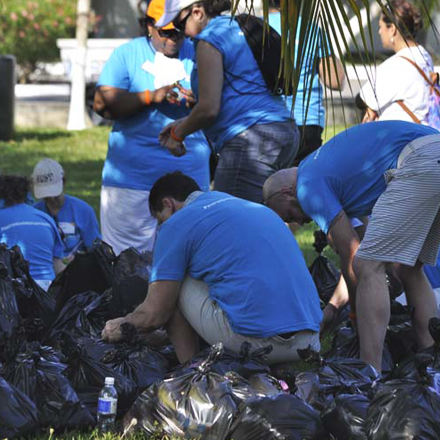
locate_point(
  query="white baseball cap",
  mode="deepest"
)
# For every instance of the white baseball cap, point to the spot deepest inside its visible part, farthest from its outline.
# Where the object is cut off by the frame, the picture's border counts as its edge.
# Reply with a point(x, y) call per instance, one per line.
point(47, 179)
point(172, 9)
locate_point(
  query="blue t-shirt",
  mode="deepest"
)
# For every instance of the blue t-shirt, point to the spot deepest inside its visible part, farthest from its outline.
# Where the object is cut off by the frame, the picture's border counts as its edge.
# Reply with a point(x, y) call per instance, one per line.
point(309, 73)
point(77, 222)
point(246, 100)
point(37, 236)
point(135, 158)
point(433, 274)
point(347, 172)
point(249, 259)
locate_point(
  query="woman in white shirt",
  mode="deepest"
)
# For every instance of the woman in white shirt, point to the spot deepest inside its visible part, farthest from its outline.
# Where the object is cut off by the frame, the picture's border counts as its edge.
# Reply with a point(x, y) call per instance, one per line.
point(398, 90)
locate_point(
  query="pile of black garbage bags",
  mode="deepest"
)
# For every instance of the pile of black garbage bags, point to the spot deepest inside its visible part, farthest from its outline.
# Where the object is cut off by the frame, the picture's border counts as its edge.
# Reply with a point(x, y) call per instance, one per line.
point(53, 364)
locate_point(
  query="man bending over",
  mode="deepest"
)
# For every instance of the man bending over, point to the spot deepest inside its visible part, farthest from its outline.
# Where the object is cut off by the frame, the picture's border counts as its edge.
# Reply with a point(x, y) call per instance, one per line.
point(226, 270)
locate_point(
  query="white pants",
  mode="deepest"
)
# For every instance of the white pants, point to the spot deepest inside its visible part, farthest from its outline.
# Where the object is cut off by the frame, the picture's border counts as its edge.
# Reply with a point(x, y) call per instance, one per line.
point(126, 220)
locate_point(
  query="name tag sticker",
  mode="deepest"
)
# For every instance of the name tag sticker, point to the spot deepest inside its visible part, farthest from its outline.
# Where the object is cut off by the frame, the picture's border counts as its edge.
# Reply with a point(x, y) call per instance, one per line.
point(67, 228)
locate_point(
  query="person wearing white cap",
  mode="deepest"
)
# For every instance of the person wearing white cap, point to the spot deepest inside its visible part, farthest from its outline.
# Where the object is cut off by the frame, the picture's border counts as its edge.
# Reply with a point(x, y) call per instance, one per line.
point(75, 219)
point(248, 125)
point(32, 230)
point(135, 89)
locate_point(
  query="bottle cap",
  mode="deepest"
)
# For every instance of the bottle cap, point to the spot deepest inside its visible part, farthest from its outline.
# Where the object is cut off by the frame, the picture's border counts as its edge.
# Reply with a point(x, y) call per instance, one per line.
point(109, 380)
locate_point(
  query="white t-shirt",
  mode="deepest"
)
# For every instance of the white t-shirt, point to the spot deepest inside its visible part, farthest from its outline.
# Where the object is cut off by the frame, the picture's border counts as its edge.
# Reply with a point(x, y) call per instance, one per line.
point(397, 79)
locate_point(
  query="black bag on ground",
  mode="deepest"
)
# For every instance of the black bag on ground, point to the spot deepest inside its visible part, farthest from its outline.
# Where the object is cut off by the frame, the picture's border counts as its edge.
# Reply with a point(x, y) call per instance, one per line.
point(198, 404)
point(89, 271)
point(345, 417)
point(38, 372)
point(283, 417)
point(404, 410)
point(265, 45)
point(18, 414)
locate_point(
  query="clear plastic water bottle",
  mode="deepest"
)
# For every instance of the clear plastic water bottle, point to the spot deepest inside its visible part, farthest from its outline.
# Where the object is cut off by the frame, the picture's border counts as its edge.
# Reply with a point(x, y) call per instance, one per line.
point(107, 404)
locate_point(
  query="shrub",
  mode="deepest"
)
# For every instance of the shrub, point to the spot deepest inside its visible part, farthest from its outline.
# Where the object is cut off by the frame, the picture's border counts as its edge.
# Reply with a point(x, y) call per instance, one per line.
point(29, 29)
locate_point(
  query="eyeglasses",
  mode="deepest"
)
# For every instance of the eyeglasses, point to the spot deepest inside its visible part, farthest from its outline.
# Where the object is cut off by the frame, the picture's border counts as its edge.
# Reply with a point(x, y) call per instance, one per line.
point(264, 202)
point(172, 34)
point(180, 25)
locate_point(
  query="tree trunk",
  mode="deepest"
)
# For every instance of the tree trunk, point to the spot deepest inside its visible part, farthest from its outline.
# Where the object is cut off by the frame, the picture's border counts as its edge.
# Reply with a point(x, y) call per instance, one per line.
point(77, 110)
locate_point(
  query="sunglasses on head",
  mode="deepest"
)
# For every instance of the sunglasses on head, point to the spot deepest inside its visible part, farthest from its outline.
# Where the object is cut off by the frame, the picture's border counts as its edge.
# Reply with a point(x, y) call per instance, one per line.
point(180, 25)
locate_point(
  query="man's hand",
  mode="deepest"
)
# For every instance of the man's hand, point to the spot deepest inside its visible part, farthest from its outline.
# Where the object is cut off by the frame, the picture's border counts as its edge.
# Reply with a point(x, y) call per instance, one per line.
point(112, 330)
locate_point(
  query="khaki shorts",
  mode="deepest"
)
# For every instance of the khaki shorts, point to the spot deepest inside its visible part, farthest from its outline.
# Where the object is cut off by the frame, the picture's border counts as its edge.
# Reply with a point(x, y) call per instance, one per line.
point(211, 323)
point(405, 222)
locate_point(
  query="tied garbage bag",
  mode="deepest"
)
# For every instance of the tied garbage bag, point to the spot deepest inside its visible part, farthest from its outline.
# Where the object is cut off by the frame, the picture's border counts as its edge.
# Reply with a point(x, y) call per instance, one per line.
point(404, 410)
point(196, 405)
point(246, 363)
point(336, 376)
point(38, 372)
point(131, 275)
point(134, 360)
point(88, 376)
point(282, 416)
point(18, 414)
point(345, 417)
point(89, 271)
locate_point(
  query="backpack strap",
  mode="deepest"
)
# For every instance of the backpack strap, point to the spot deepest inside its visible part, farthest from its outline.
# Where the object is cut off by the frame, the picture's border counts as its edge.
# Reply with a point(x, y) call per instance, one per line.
point(433, 81)
point(408, 111)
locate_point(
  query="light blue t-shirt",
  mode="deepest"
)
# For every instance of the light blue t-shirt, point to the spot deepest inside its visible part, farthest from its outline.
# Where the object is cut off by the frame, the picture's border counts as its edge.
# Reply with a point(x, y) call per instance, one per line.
point(135, 158)
point(77, 222)
point(309, 72)
point(246, 100)
point(37, 236)
point(249, 259)
point(347, 172)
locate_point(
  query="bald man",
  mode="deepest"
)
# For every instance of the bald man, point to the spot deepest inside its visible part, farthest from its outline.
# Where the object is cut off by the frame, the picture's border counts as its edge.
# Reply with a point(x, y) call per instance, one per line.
point(391, 171)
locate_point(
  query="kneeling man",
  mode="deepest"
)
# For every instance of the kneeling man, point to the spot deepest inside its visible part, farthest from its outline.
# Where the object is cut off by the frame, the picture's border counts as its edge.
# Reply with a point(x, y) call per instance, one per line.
point(227, 270)
point(388, 169)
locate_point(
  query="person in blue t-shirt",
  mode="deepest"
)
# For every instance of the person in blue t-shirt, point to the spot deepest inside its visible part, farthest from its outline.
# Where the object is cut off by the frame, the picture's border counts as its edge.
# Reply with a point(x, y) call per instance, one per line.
point(309, 112)
point(388, 169)
point(247, 124)
point(75, 219)
point(137, 89)
point(227, 270)
point(33, 231)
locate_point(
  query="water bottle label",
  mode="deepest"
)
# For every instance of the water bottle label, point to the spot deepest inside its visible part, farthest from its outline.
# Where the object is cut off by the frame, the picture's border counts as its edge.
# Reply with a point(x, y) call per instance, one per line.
point(107, 405)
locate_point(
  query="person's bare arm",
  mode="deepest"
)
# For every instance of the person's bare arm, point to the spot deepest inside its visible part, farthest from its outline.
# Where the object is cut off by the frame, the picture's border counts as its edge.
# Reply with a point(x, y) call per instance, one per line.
point(331, 73)
point(153, 313)
point(115, 103)
point(204, 113)
point(345, 242)
point(58, 265)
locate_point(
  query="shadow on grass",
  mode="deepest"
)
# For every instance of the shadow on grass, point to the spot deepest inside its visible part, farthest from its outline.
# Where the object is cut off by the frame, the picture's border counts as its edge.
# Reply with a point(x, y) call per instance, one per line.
point(39, 135)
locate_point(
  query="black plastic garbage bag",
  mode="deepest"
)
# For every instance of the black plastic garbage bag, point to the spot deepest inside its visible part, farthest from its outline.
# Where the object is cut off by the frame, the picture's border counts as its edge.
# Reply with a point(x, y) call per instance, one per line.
point(246, 363)
point(84, 315)
point(345, 417)
point(89, 271)
point(131, 275)
point(346, 345)
point(196, 405)
point(404, 410)
point(326, 277)
point(10, 318)
point(282, 416)
point(18, 414)
point(38, 372)
point(87, 377)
